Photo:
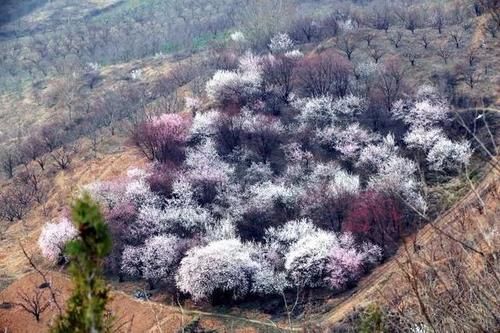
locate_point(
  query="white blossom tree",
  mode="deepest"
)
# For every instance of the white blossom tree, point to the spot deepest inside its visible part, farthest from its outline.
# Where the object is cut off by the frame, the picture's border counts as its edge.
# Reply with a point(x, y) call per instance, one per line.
point(447, 155)
point(373, 156)
point(397, 176)
point(428, 109)
point(307, 260)
point(236, 86)
point(266, 195)
point(131, 264)
point(54, 237)
point(225, 266)
point(107, 193)
point(422, 138)
point(151, 220)
point(315, 112)
point(204, 125)
point(281, 43)
point(348, 141)
point(205, 165)
point(160, 257)
point(282, 238)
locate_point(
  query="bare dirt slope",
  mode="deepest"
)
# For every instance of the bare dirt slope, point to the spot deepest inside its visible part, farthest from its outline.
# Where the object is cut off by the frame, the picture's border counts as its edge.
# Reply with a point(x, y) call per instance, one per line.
point(130, 314)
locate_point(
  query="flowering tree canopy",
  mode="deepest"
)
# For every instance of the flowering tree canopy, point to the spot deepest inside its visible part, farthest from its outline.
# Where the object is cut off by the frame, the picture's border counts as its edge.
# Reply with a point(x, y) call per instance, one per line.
point(224, 266)
point(163, 138)
point(281, 43)
point(448, 155)
point(54, 237)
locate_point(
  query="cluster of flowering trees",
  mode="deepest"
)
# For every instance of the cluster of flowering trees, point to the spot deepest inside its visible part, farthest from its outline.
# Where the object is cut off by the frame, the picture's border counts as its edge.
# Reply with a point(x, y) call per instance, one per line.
point(282, 182)
point(425, 115)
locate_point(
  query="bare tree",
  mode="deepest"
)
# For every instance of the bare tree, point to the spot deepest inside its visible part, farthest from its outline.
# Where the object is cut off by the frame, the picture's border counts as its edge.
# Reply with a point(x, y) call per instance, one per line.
point(46, 281)
point(381, 18)
point(376, 53)
point(34, 302)
point(52, 135)
point(469, 74)
point(410, 17)
point(33, 149)
point(390, 82)
point(279, 76)
point(67, 91)
point(438, 18)
point(424, 40)
point(396, 38)
point(325, 73)
point(368, 37)
point(9, 160)
point(329, 26)
point(457, 37)
point(443, 51)
point(472, 56)
point(107, 109)
point(347, 44)
point(412, 55)
point(305, 30)
point(62, 157)
point(15, 202)
point(34, 182)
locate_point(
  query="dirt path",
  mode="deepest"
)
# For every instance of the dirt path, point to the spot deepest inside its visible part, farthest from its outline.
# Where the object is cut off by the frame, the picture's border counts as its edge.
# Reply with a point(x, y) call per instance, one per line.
point(232, 318)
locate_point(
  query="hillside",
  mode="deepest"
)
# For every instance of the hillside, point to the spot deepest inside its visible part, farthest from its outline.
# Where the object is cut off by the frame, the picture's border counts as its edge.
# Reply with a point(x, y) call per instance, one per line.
point(371, 289)
point(466, 222)
point(260, 166)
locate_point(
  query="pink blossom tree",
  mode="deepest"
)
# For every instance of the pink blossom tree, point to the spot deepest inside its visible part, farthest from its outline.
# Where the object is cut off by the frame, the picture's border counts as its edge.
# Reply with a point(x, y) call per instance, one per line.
point(347, 261)
point(163, 138)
